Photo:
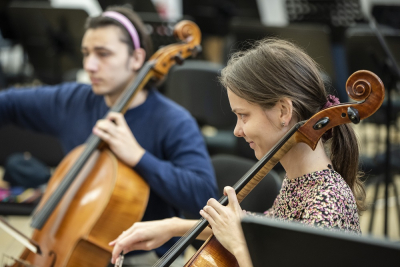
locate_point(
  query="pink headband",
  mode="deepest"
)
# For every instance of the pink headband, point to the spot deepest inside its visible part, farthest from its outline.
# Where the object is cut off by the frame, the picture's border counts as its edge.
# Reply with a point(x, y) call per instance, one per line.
point(332, 101)
point(127, 24)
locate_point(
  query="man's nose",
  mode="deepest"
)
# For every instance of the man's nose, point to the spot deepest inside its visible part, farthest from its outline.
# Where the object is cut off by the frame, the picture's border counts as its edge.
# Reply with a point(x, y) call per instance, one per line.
point(91, 63)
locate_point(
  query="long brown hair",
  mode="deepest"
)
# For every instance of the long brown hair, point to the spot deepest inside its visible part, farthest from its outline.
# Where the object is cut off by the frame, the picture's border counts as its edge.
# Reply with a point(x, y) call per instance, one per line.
point(273, 69)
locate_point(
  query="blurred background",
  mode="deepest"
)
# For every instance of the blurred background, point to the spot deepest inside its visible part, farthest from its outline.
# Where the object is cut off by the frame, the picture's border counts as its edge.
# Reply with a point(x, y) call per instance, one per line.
point(40, 44)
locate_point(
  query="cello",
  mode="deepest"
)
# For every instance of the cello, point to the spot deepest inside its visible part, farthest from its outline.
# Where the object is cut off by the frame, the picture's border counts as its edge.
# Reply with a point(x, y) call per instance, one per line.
point(362, 86)
point(92, 196)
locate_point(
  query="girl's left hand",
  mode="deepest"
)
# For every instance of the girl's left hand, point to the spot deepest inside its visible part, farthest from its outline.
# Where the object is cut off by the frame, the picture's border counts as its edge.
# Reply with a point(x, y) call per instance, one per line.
point(225, 221)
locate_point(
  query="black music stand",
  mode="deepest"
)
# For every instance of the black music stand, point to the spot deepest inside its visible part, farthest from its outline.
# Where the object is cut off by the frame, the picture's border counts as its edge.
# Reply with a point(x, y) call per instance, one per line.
point(137, 5)
point(278, 243)
point(50, 36)
point(313, 38)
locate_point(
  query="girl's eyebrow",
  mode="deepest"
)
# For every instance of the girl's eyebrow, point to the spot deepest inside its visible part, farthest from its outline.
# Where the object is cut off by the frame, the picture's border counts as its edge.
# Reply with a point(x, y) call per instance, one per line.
point(237, 109)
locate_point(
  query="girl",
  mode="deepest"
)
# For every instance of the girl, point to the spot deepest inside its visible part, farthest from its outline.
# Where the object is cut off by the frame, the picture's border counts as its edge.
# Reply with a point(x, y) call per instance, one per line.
point(271, 87)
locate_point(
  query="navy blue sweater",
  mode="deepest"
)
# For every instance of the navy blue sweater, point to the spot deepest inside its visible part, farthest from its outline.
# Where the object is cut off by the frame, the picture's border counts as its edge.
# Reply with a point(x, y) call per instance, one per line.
point(176, 164)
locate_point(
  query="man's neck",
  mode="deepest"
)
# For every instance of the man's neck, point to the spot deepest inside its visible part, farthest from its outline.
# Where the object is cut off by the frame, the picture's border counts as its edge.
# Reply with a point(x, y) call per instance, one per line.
point(139, 99)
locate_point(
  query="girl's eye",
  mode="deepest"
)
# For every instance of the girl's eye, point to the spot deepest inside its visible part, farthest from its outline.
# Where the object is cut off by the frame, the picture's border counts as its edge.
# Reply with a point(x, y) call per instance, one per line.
point(242, 116)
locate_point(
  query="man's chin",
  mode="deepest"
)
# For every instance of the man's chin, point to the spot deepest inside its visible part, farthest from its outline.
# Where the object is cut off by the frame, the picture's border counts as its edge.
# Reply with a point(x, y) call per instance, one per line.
point(98, 90)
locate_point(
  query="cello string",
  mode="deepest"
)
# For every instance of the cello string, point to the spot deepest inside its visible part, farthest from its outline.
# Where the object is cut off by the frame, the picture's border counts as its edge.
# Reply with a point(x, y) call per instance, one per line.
point(183, 239)
point(238, 186)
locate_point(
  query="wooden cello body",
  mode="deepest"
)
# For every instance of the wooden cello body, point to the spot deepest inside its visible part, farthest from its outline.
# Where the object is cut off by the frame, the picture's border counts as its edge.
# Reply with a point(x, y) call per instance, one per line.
point(105, 199)
point(92, 196)
point(362, 86)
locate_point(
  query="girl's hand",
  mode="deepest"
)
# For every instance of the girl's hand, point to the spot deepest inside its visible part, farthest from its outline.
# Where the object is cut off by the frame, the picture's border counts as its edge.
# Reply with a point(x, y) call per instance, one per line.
point(225, 221)
point(142, 236)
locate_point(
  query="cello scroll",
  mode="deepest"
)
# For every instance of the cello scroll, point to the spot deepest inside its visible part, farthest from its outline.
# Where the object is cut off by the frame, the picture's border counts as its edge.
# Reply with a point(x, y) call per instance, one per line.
point(363, 86)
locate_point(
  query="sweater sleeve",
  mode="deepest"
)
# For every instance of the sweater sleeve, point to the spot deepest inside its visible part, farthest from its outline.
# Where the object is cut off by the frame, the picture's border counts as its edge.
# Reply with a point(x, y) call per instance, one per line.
point(37, 109)
point(185, 178)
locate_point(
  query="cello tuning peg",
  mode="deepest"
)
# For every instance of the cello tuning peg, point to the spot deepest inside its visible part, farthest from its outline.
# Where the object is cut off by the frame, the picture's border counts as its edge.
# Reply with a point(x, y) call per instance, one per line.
point(178, 59)
point(353, 115)
point(196, 50)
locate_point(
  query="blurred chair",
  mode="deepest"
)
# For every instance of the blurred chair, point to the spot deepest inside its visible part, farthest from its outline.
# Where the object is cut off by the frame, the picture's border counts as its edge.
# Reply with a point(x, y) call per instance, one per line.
point(195, 86)
point(43, 147)
point(229, 169)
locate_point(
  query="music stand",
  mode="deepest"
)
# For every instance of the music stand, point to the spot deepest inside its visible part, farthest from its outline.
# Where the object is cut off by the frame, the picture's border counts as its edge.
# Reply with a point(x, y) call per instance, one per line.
point(313, 38)
point(50, 36)
point(137, 5)
point(279, 243)
point(364, 49)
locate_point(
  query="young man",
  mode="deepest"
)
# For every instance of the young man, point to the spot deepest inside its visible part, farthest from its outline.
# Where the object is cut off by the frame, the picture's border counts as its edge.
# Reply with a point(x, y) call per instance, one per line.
point(156, 137)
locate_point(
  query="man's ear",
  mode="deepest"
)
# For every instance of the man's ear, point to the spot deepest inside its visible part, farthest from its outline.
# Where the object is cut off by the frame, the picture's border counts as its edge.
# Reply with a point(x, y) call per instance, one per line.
point(286, 110)
point(137, 59)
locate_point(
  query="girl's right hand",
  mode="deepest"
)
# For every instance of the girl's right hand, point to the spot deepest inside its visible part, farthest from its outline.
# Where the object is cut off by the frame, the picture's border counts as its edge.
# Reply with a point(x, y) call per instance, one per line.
point(142, 236)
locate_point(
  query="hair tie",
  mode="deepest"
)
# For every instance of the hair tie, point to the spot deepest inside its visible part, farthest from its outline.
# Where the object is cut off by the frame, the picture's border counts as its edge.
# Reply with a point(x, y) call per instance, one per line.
point(331, 101)
point(127, 25)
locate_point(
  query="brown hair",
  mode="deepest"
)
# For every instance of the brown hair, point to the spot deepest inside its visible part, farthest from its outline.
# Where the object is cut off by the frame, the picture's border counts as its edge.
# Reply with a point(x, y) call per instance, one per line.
point(144, 37)
point(273, 69)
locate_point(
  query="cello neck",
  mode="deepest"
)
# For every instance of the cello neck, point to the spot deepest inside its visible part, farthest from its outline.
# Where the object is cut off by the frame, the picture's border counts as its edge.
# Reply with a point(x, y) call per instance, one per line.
point(242, 188)
point(137, 85)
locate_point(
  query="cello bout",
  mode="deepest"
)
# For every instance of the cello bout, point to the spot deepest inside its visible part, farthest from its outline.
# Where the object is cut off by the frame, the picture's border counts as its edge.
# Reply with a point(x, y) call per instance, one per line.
point(106, 198)
point(212, 254)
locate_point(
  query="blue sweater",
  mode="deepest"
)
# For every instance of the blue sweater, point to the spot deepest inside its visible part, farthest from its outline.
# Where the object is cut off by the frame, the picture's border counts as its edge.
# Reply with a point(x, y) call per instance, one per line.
point(176, 164)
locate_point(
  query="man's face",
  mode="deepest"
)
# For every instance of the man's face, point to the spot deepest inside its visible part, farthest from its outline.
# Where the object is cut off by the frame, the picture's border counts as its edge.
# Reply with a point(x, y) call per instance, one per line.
point(107, 61)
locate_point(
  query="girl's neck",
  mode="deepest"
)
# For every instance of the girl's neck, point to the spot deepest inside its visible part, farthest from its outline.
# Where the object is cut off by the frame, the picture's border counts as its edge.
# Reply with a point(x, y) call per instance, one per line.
point(301, 159)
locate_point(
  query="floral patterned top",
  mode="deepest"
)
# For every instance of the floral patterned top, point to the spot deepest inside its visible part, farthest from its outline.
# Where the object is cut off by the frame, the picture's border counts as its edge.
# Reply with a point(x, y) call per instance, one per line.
point(321, 199)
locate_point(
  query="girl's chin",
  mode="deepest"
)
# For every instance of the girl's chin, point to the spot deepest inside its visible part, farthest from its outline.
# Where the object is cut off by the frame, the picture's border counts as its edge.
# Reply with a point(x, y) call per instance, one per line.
point(258, 153)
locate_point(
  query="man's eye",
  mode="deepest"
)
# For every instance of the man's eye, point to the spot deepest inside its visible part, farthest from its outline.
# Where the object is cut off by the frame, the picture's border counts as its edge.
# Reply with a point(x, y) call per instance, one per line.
point(104, 54)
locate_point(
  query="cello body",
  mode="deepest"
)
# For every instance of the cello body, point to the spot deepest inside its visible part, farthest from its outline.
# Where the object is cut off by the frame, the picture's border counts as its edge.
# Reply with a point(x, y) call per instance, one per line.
point(212, 254)
point(106, 198)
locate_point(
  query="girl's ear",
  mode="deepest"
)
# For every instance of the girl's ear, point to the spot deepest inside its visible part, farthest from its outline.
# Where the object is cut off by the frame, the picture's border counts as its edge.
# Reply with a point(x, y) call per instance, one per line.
point(137, 59)
point(286, 111)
